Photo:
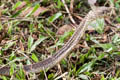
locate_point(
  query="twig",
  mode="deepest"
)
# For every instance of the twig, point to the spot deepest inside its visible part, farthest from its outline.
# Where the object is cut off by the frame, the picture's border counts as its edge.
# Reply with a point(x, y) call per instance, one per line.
point(70, 16)
point(53, 24)
point(17, 18)
point(64, 74)
point(45, 74)
point(77, 16)
point(71, 6)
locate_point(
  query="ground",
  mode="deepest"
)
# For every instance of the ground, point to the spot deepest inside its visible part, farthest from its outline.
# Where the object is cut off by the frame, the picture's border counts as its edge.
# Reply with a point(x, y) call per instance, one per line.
point(31, 31)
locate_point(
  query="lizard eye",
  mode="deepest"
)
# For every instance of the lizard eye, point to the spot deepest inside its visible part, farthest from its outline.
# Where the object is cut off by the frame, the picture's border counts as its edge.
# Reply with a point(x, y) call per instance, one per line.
point(104, 12)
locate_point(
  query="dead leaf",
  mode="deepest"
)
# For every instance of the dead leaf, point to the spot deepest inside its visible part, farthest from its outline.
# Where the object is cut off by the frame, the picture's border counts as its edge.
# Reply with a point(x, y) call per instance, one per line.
point(21, 6)
point(104, 38)
point(36, 13)
point(39, 10)
point(107, 28)
point(21, 46)
point(64, 29)
point(1, 11)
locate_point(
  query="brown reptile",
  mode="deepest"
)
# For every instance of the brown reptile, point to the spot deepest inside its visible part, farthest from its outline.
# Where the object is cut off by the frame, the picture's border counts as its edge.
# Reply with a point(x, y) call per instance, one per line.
point(65, 50)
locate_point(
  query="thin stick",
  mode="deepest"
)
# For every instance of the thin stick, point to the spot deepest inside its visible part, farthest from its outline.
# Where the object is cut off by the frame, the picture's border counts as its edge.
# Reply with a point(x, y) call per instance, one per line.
point(45, 74)
point(71, 6)
point(70, 16)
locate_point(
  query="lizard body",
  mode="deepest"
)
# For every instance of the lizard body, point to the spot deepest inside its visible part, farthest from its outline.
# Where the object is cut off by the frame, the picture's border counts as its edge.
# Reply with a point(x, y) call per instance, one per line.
point(65, 50)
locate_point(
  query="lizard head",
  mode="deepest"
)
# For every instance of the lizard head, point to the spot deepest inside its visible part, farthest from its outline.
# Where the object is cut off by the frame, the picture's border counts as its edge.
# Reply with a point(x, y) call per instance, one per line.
point(103, 11)
point(99, 12)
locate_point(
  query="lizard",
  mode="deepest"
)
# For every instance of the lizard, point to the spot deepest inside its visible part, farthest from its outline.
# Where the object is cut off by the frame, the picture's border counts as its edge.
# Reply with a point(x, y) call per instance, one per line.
point(65, 50)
